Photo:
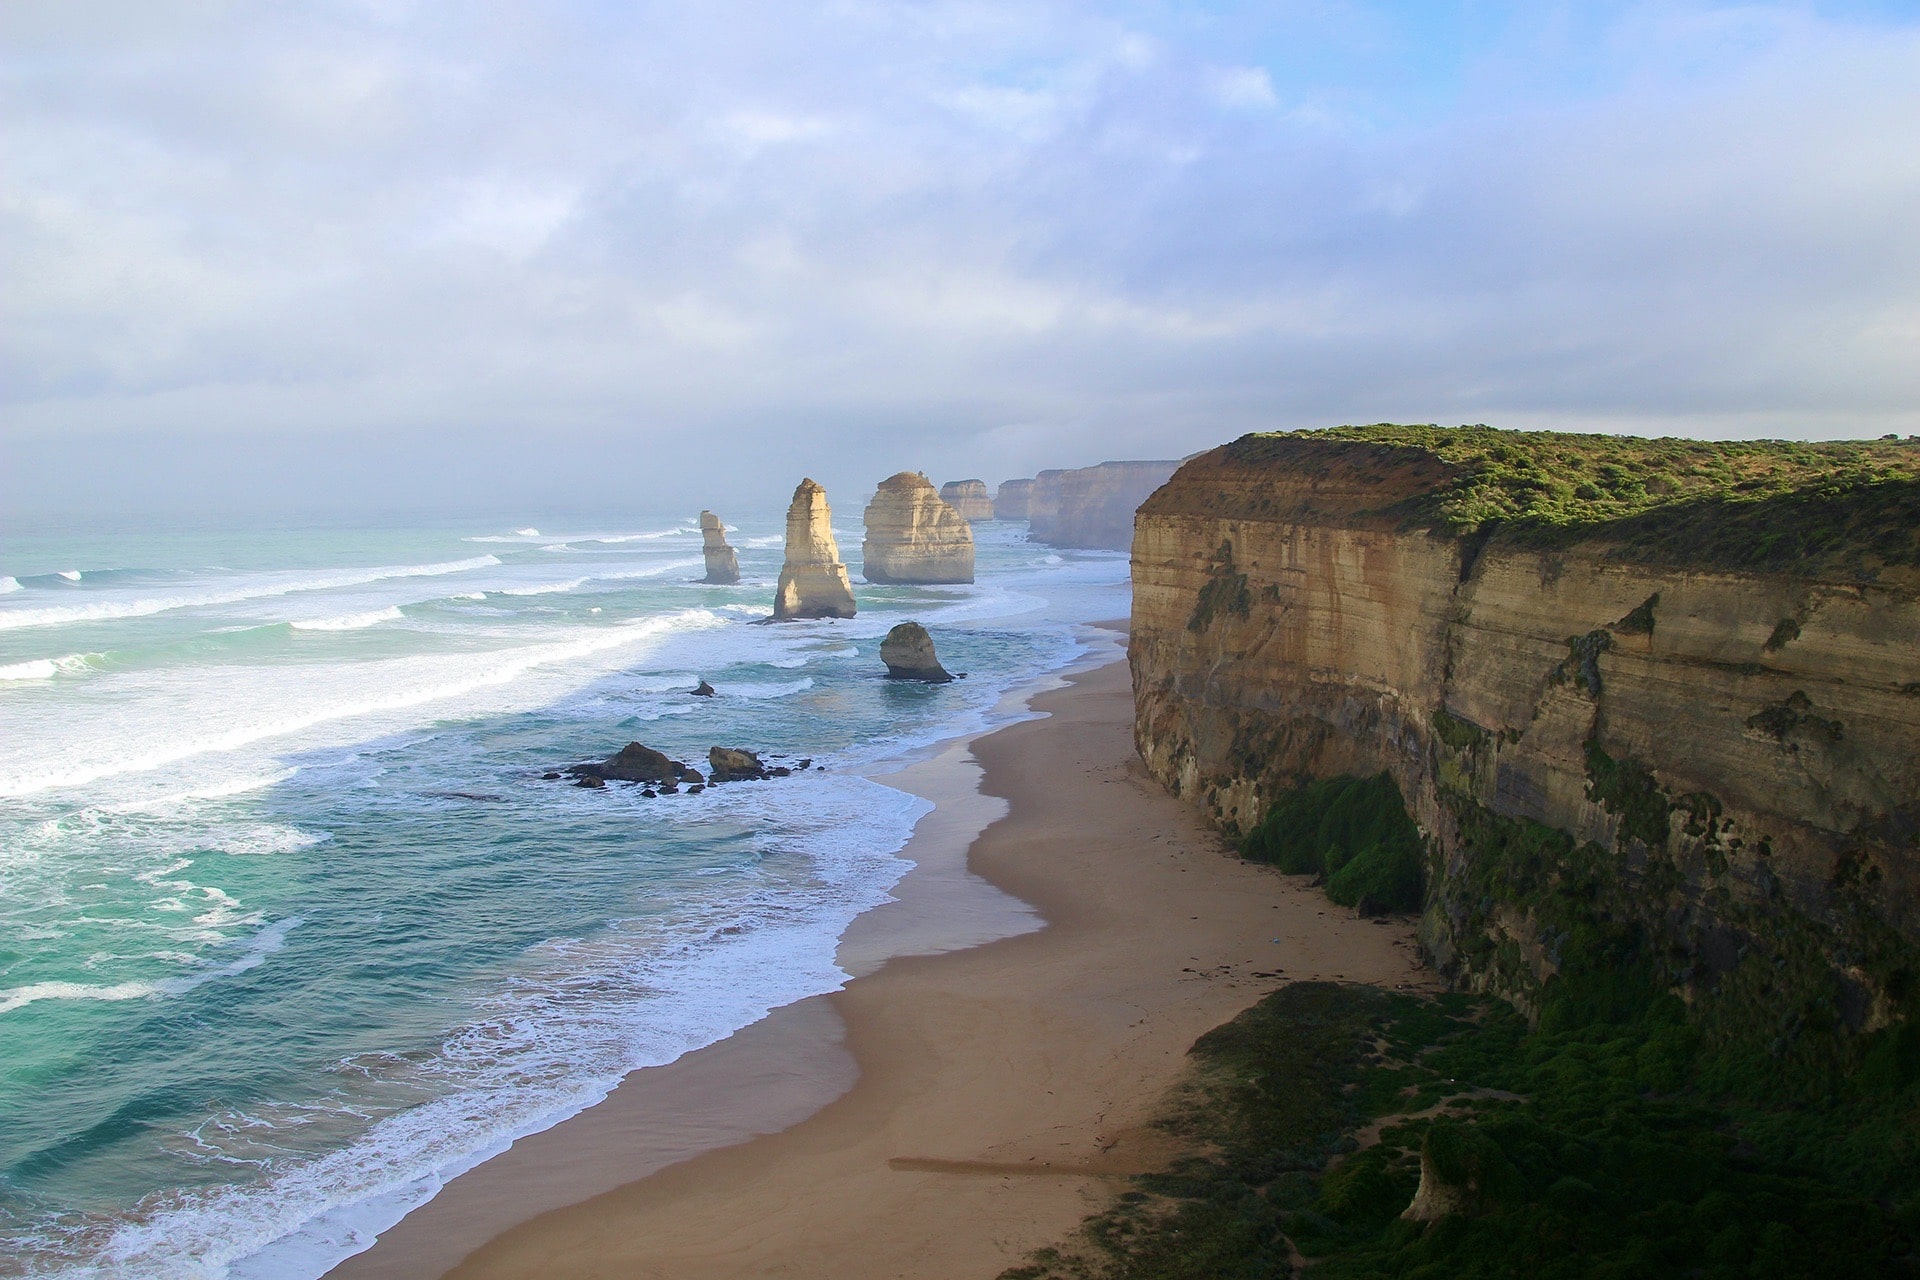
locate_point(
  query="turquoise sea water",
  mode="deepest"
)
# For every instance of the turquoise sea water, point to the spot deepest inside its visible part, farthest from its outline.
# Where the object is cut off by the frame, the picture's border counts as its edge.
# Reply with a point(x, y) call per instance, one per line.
point(291, 928)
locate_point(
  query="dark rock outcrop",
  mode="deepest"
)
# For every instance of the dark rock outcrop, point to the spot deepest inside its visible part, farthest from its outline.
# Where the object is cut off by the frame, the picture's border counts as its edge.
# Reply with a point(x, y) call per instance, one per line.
point(703, 690)
point(636, 762)
point(734, 764)
point(969, 498)
point(813, 582)
point(909, 655)
point(723, 565)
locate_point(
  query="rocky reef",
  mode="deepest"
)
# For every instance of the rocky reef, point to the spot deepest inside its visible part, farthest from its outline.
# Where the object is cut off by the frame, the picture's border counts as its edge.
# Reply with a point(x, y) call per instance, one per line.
point(723, 565)
point(1013, 500)
point(909, 654)
point(1654, 706)
point(813, 582)
point(969, 498)
point(1092, 507)
point(915, 536)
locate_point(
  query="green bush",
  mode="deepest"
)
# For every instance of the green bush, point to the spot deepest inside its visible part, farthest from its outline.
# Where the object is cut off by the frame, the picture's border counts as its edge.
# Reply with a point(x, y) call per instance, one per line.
point(1354, 831)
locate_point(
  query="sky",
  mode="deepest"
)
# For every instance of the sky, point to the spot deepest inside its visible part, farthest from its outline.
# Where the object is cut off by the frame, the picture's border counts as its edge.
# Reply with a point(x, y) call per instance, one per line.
point(384, 257)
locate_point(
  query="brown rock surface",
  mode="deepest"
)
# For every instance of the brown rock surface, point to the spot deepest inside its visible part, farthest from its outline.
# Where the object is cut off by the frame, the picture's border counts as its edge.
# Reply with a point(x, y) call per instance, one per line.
point(723, 565)
point(1012, 501)
point(969, 498)
point(909, 655)
point(1287, 624)
point(913, 535)
point(1092, 506)
point(813, 582)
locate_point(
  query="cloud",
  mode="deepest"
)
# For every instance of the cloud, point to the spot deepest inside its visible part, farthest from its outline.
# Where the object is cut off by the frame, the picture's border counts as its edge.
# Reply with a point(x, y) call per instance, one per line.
point(989, 236)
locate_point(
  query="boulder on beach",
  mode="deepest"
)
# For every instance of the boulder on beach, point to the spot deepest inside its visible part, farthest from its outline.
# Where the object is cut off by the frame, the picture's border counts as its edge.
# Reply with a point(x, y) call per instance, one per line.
point(636, 762)
point(813, 582)
point(908, 653)
point(734, 764)
point(913, 535)
point(723, 565)
point(969, 498)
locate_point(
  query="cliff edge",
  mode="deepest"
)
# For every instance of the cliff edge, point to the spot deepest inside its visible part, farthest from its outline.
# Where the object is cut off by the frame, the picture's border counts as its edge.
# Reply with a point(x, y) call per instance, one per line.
point(1654, 705)
point(1092, 507)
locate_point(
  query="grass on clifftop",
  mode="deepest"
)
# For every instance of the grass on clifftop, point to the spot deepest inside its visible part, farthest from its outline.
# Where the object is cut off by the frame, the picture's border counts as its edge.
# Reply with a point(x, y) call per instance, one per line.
point(1754, 504)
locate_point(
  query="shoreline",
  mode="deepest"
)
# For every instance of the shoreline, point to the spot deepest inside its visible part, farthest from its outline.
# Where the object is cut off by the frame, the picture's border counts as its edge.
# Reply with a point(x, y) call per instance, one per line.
point(997, 1090)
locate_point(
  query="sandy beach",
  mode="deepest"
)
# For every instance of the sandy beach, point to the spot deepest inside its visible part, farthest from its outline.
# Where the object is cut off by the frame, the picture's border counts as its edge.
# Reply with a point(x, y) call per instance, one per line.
point(955, 1105)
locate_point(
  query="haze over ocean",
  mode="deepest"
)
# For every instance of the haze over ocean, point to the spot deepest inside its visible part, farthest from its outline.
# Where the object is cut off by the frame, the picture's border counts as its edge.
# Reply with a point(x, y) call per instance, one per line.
point(295, 927)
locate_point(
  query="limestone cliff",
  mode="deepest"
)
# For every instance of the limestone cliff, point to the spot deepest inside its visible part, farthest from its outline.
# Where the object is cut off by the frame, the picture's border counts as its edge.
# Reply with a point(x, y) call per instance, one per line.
point(1011, 502)
point(969, 498)
point(1092, 506)
point(813, 582)
point(1694, 728)
point(723, 565)
point(914, 536)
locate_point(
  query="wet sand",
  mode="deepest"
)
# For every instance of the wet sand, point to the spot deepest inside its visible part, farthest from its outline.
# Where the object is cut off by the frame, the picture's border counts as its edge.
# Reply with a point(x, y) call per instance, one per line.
point(946, 1112)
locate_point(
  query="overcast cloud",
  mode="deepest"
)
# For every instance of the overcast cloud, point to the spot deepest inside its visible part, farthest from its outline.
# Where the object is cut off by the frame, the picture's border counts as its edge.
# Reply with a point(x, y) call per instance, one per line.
point(386, 254)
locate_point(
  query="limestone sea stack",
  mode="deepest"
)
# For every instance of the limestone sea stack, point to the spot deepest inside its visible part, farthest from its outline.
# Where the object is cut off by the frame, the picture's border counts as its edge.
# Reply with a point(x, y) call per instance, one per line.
point(969, 498)
point(908, 653)
point(913, 536)
point(723, 566)
point(813, 582)
point(1012, 502)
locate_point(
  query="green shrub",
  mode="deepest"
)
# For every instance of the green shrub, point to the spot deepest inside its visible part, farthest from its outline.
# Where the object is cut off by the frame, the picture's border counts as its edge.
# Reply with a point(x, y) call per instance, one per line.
point(1354, 831)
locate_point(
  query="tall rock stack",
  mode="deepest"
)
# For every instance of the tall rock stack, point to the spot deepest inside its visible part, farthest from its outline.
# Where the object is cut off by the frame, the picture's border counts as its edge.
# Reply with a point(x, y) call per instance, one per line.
point(1012, 502)
point(723, 566)
point(969, 498)
point(913, 536)
point(813, 582)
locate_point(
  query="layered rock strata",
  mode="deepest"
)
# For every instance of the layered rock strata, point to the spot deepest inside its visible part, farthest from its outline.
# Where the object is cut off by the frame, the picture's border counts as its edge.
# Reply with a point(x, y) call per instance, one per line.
point(1012, 500)
point(909, 654)
point(1716, 769)
point(1092, 507)
point(813, 582)
point(914, 536)
point(969, 498)
point(723, 565)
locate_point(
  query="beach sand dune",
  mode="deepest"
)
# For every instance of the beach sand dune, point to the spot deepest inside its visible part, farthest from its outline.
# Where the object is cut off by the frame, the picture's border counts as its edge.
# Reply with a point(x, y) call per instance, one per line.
point(984, 1100)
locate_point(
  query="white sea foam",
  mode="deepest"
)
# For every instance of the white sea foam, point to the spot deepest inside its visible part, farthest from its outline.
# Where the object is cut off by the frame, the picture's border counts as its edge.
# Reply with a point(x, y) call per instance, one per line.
point(71, 575)
point(544, 588)
point(240, 707)
point(258, 948)
point(251, 587)
point(349, 621)
point(528, 533)
point(9, 583)
point(47, 668)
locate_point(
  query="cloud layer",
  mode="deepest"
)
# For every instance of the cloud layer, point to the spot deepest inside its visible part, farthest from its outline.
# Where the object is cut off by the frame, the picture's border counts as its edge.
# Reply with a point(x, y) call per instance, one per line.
point(497, 245)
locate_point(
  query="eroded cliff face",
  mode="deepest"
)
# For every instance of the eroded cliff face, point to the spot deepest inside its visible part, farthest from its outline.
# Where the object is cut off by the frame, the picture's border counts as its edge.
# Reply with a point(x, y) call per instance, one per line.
point(914, 536)
point(1092, 507)
point(722, 562)
point(1723, 767)
point(969, 498)
point(813, 581)
point(1012, 499)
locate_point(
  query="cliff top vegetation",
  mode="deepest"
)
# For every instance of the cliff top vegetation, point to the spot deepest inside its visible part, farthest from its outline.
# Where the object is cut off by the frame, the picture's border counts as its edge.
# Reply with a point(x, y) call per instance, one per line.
point(1845, 507)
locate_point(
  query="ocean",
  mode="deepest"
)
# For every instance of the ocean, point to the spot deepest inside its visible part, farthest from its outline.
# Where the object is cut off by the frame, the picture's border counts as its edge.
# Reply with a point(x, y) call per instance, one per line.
point(292, 928)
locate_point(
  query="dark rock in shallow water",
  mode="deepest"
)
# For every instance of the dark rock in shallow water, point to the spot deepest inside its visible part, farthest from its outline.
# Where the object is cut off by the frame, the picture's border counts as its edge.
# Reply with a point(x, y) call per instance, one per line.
point(695, 789)
point(650, 794)
point(908, 653)
point(590, 780)
point(704, 690)
point(550, 775)
point(636, 762)
point(731, 764)
point(780, 771)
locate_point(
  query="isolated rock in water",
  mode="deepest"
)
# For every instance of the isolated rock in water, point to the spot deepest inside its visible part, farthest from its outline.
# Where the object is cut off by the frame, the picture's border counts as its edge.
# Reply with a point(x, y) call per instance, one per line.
point(915, 536)
point(723, 566)
point(590, 780)
point(908, 653)
point(703, 690)
point(733, 764)
point(813, 582)
point(636, 763)
point(1013, 500)
point(969, 498)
